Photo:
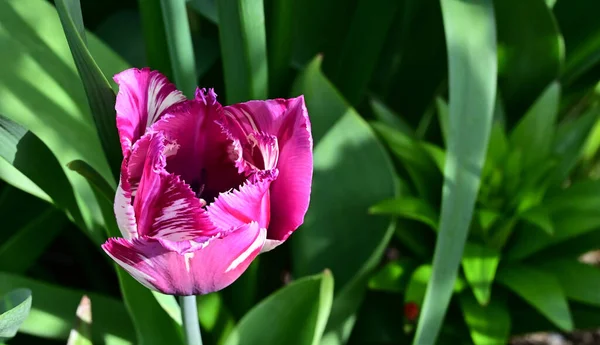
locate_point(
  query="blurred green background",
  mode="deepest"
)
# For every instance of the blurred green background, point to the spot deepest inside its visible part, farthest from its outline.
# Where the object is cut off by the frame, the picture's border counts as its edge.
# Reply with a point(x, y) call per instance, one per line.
point(456, 192)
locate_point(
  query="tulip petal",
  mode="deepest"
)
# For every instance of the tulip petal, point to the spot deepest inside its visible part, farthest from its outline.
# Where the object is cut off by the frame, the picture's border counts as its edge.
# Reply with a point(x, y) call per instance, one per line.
point(288, 121)
point(143, 97)
point(203, 158)
point(124, 212)
point(249, 203)
point(166, 207)
point(204, 268)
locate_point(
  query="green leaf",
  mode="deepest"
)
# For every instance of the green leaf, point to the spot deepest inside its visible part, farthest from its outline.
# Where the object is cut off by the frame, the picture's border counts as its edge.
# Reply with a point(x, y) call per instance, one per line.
point(123, 32)
point(479, 264)
point(207, 8)
point(392, 277)
point(94, 178)
point(53, 308)
point(539, 216)
point(19, 252)
point(155, 37)
point(569, 143)
point(14, 309)
point(530, 50)
point(280, 34)
point(352, 66)
point(28, 154)
point(416, 288)
point(489, 324)
point(407, 207)
point(472, 64)
point(303, 306)
point(100, 95)
point(348, 160)
point(81, 333)
point(579, 281)
point(216, 321)
point(243, 49)
point(443, 117)
point(533, 134)
point(386, 115)
point(539, 289)
point(582, 37)
point(169, 304)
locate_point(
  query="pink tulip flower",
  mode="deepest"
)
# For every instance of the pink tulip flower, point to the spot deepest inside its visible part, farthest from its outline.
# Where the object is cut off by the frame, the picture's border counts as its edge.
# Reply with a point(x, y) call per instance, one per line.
point(204, 188)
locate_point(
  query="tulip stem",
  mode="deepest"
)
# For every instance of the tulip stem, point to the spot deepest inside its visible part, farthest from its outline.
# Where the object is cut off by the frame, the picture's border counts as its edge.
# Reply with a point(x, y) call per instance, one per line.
point(189, 315)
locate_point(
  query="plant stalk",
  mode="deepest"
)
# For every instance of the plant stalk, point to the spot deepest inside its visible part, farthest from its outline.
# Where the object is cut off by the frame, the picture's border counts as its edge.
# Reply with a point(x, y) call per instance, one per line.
point(189, 316)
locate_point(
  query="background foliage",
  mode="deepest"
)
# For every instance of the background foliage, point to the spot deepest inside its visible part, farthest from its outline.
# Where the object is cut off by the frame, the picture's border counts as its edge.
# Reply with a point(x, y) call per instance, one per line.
point(456, 167)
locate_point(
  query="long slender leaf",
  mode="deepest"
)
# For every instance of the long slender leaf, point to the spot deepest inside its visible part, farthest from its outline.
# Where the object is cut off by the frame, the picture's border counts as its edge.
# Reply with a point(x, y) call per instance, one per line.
point(280, 42)
point(303, 305)
point(243, 48)
point(81, 333)
point(155, 37)
point(14, 308)
point(31, 156)
point(53, 308)
point(541, 290)
point(348, 159)
point(471, 42)
point(100, 95)
point(489, 324)
point(407, 207)
point(479, 264)
point(578, 280)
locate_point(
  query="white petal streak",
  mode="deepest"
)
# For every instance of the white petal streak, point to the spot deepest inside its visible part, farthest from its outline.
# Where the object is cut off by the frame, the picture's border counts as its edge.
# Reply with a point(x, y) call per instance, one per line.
point(158, 103)
point(125, 213)
point(256, 245)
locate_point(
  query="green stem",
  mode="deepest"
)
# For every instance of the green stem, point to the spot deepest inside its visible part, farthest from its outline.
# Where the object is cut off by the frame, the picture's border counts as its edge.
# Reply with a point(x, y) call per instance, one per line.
point(189, 315)
point(181, 50)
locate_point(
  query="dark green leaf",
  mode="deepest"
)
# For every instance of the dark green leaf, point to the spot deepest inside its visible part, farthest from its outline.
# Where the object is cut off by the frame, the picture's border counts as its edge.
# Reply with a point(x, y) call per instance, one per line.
point(387, 116)
point(530, 51)
point(280, 42)
point(348, 160)
point(407, 207)
point(479, 264)
point(303, 306)
point(122, 31)
point(243, 49)
point(472, 64)
point(155, 37)
point(94, 178)
point(392, 277)
point(533, 134)
point(14, 309)
point(415, 291)
point(539, 216)
point(489, 324)
point(100, 95)
point(539, 289)
point(352, 66)
point(207, 8)
point(53, 309)
point(579, 281)
point(443, 117)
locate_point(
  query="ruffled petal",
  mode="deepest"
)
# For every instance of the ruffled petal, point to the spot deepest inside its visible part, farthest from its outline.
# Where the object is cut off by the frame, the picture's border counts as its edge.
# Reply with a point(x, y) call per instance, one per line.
point(203, 156)
point(188, 269)
point(165, 207)
point(123, 208)
point(288, 121)
point(249, 203)
point(143, 97)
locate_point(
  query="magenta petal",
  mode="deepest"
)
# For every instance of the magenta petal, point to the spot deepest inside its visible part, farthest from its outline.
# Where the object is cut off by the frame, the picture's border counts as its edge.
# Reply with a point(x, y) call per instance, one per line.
point(143, 97)
point(164, 205)
point(247, 204)
point(288, 121)
point(200, 269)
point(124, 212)
point(203, 155)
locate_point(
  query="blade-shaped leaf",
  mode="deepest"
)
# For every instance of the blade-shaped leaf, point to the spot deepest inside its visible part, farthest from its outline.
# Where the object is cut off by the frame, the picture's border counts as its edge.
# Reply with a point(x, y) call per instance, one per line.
point(579, 281)
point(243, 49)
point(539, 216)
point(101, 97)
point(386, 115)
point(94, 178)
point(28, 154)
point(407, 207)
point(530, 51)
point(280, 43)
point(352, 66)
point(348, 160)
point(303, 305)
point(393, 277)
point(489, 324)
point(479, 264)
point(472, 64)
point(14, 309)
point(417, 285)
point(533, 134)
point(53, 307)
point(541, 290)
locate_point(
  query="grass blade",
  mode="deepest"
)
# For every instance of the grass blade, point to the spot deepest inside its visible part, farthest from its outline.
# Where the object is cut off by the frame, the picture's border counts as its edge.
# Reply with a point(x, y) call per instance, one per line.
point(471, 42)
point(243, 48)
point(155, 37)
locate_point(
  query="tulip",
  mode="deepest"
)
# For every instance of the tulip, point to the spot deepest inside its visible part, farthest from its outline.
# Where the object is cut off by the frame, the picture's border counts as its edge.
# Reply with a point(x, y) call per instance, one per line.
point(204, 188)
